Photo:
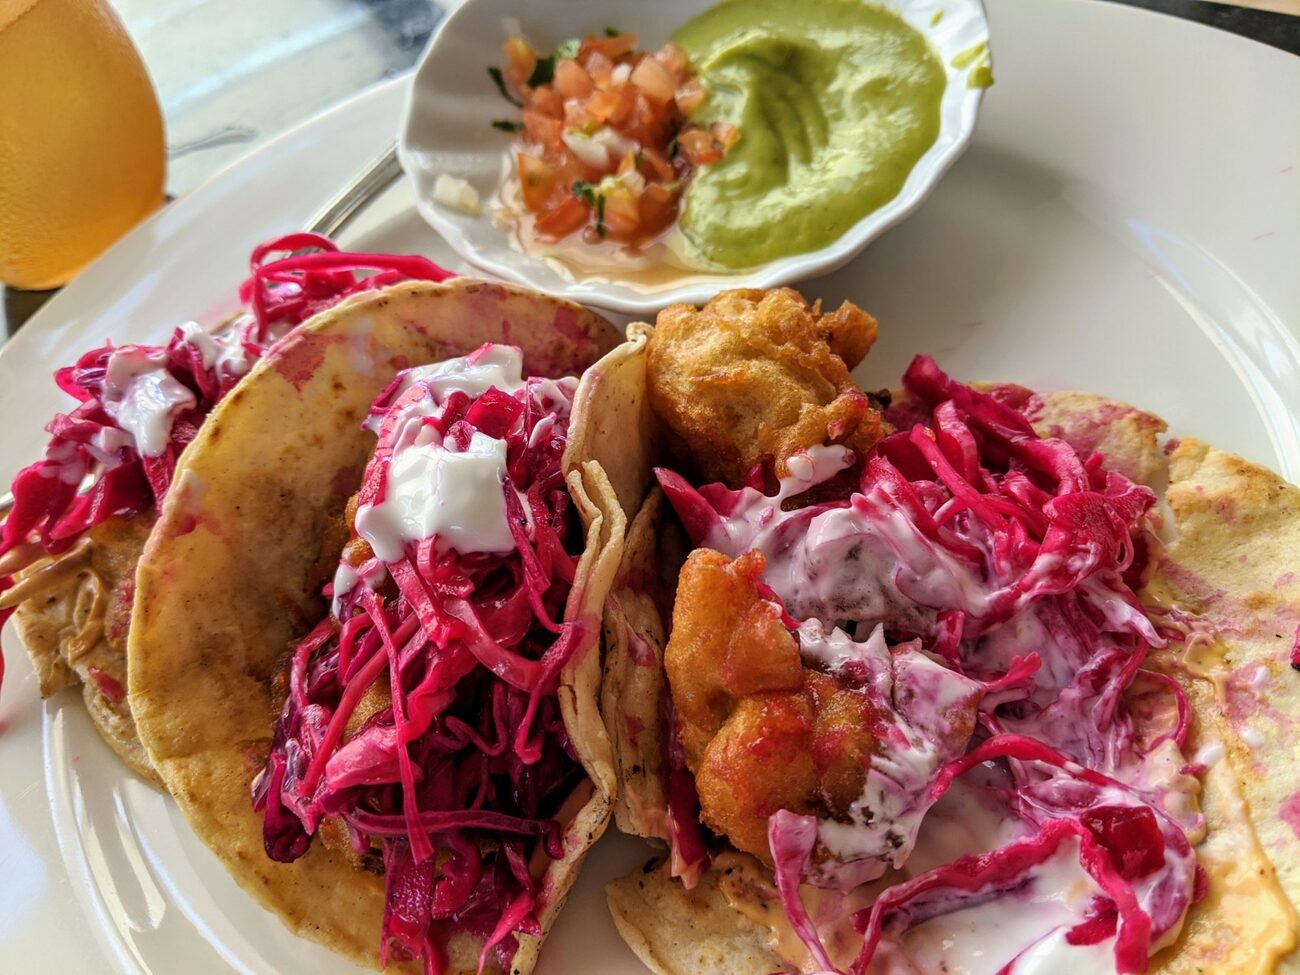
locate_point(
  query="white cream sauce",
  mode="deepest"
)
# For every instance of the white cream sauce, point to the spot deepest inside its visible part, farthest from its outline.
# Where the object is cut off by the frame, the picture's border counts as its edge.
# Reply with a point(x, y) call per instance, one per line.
point(489, 366)
point(144, 398)
point(972, 817)
point(221, 349)
point(345, 577)
point(554, 395)
point(1028, 925)
point(106, 445)
point(432, 490)
point(1210, 754)
point(371, 572)
point(921, 699)
point(862, 562)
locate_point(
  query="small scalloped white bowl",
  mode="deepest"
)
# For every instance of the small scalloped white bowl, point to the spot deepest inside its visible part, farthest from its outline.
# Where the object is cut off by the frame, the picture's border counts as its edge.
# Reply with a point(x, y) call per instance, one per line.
point(452, 99)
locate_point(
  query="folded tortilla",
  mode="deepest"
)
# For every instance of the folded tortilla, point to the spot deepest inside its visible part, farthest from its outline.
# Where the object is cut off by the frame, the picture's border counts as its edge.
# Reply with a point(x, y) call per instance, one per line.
point(73, 621)
point(232, 575)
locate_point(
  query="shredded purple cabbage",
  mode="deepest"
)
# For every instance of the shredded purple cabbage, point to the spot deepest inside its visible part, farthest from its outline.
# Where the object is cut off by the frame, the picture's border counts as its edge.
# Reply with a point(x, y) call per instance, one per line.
point(458, 779)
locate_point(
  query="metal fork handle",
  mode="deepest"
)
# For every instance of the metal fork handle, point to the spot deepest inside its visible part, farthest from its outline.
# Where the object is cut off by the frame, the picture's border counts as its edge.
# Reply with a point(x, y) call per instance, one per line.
point(357, 195)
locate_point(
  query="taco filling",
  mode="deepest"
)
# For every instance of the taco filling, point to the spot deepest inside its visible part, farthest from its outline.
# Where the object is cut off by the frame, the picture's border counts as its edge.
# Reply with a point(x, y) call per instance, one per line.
point(81, 513)
point(421, 733)
point(962, 618)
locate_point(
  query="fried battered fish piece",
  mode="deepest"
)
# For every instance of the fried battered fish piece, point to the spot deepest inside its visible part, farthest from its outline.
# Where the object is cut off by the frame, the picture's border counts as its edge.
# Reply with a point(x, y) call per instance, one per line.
point(759, 374)
point(761, 731)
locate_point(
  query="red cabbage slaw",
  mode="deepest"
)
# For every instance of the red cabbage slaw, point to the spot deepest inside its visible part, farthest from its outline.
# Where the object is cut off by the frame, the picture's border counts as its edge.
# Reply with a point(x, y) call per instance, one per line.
point(459, 777)
point(686, 841)
point(52, 505)
point(1013, 560)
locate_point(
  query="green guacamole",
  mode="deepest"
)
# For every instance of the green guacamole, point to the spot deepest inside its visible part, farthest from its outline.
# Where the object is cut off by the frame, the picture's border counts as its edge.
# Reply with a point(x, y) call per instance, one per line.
point(835, 100)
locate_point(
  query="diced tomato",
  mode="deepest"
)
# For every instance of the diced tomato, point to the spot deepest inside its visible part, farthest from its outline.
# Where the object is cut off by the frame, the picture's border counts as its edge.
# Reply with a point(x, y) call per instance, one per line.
point(724, 134)
point(673, 58)
point(698, 147)
point(542, 129)
point(546, 100)
point(631, 105)
point(563, 218)
point(570, 169)
point(611, 106)
point(600, 104)
point(655, 165)
point(622, 212)
point(537, 179)
point(703, 158)
point(620, 45)
point(658, 208)
point(572, 80)
point(576, 115)
point(600, 68)
point(690, 95)
point(655, 80)
point(624, 105)
point(645, 124)
point(520, 60)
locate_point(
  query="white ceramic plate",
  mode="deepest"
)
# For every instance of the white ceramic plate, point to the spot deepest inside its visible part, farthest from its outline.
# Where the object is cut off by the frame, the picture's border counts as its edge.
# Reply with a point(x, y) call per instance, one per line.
point(1125, 221)
point(452, 99)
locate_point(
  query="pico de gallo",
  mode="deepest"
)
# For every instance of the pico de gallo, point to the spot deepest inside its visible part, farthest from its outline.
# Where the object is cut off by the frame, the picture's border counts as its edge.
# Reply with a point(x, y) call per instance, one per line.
point(606, 142)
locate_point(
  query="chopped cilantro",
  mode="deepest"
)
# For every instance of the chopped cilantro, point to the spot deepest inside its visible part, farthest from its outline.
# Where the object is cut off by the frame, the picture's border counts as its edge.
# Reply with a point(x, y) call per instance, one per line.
point(500, 80)
point(544, 68)
point(505, 125)
point(612, 32)
point(543, 72)
point(588, 193)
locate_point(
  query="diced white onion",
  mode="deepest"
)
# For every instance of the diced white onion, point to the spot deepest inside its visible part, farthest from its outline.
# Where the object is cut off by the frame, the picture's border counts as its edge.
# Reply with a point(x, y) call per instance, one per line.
point(455, 192)
point(589, 150)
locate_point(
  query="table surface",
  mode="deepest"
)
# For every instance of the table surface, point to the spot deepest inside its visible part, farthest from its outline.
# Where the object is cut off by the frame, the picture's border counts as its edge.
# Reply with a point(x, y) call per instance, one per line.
point(257, 71)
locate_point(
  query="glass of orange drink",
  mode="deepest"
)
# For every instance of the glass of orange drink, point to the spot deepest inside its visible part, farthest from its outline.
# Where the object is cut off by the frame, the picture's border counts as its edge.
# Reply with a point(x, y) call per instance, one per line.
point(82, 156)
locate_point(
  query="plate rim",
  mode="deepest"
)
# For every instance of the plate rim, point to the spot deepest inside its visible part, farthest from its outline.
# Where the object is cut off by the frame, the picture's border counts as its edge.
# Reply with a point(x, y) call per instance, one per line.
point(37, 326)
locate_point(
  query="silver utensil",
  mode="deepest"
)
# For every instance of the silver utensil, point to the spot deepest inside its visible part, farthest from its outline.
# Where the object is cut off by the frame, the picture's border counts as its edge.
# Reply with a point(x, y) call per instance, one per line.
point(357, 195)
point(332, 219)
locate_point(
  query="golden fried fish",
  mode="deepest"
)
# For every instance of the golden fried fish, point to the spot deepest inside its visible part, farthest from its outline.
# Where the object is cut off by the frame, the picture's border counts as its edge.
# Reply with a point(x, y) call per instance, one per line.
point(756, 375)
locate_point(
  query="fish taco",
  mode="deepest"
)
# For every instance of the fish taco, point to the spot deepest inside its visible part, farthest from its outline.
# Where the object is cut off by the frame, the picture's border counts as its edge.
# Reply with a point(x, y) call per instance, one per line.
point(82, 513)
point(924, 680)
point(364, 653)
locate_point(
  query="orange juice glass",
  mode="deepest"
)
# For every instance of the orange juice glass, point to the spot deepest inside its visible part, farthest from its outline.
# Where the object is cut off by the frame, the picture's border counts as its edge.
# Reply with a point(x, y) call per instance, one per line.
point(82, 156)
